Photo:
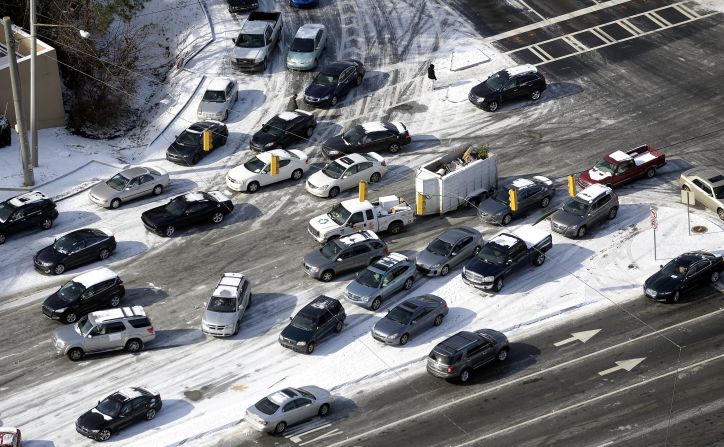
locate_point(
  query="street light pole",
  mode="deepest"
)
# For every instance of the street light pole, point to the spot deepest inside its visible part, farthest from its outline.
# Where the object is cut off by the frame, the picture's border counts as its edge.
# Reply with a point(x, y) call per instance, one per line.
point(33, 98)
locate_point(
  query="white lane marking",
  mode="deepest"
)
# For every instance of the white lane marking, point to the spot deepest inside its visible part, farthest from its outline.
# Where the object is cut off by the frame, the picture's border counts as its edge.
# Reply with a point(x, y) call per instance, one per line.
point(477, 394)
point(296, 437)
point(582, 336)
point(531, 9)
point(628, 26)
point(621, 365)
point(575, 43)
point(329, 434)
point(598, 32)
point(542, 55)
point(657, 19)
point(687, 11)
point(593, 399)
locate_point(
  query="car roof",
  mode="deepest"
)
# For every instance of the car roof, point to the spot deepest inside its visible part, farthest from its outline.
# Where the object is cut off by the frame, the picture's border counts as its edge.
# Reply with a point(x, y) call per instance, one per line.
point(350, 159)
point(282, 396)
point(504, 240)
point(320, 304)
point(390, 261)
point(376, 126)
point(96, 276)
point(460, 340)
point(593, 192)
point(28, 197)
point(620, 156)
point(134, 171)
point(283, 154)
point(194, 196)
point(693, 256)
point(520, 69)
point(519, 183)
point(130, 392)
point(709, 174)
point(101, 316)
point(453, 235)
point(218, 84)
point(309, 30)
point(354, 205)
point(336, 67)
point(354, 238)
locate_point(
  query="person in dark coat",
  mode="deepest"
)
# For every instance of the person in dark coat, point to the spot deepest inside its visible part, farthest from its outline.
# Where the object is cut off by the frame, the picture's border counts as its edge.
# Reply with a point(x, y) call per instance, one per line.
point(431, 75)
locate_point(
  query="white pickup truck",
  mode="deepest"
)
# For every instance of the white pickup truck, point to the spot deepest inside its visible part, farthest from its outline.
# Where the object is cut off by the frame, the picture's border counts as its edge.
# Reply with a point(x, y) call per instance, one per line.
point(390, 213)
point(256, 40)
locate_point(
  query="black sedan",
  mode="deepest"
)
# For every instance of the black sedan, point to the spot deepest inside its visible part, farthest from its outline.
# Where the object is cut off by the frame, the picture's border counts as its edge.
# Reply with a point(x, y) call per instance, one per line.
point(188, 148)
point(284, 129)
point(683, 273)
point(187, 210)
point(368, 137)
point(117, 411)
point(333, 82)
point(75, 248)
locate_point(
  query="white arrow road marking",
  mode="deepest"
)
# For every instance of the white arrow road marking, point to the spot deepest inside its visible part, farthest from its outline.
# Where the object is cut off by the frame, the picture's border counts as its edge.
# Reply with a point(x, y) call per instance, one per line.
point(628, 365)
point(582, 336)
point(336, 431)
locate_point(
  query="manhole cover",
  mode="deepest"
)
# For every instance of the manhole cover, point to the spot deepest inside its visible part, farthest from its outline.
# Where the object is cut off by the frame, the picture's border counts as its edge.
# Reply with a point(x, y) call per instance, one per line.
point(699, 229)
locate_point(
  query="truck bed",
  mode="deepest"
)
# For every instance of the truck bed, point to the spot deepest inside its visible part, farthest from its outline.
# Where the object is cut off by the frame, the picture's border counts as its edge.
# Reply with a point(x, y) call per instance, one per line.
point(264, 16)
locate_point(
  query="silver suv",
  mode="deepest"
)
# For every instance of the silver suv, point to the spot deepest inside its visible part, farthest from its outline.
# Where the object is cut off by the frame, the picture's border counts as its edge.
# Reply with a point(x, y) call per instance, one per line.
point(381, 280)
point(107, 330)
point(352, 252)
point(588, 208)
point(227, 305)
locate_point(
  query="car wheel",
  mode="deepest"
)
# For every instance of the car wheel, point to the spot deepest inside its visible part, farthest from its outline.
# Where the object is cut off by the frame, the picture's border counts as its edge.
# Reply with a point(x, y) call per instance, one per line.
point(150, 414)
point(360, 79)
point(545, 202)
point(395, 227)
point(316, 63)
point(334, 101)
point(252, 187)
point(2, 238)
point(506, 219)
point(376, 303)
point(217, 217)
point(58, 269)
point(134, 345)
point(581, 232)
point(169, 231)
point(115, 300)
point(334, 192)
point(685, 188)
point(297, 174)
point(374, 178)
point(535, 95)
point(651, 172)
point(157, 190)
point(248, 303)
point(310, 347)
point(104, 254)
point(70, 317)
point(503, 354)
point(280, 427)
point(75, 354)
point(404, 339)
point(104, 435)
point(339, 326)
point(492, 106)
point(438, 320)
point(323, 410)
point(539, 259)
point(675, 297)
point(115, 203)
point(327, 276)
point(444, 270)
point(45, 224)
point(266, 64)
point(714, 277)
point(612, 213)
point(237, 327)
point(394, 148)
point(464, 375)
point(408, 283)
point(720, 212)
point(226, 115)
point(196, 159)
point(498, 285)
point(310, 131)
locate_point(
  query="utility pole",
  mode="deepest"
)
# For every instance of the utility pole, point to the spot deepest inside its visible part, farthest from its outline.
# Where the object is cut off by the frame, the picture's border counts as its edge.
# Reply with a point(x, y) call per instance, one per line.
point(19, 117)
point(33, 89)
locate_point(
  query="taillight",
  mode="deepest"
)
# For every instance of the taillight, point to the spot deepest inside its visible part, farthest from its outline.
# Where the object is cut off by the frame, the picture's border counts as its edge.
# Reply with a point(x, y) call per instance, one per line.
point(450, 369)
point(387, 250)
point(407, 134)
point(384, 163)
point(263, 422)
point(150, 330)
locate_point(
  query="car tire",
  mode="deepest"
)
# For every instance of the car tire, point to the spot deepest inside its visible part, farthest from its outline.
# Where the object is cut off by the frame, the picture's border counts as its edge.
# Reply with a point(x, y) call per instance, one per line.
point(651, 172)
point(502, 355)
point(248, 303)
point(115, 203)
point(327, 276)
point(297, 174)
point(498, 285)
point(2, 238)
point(316, 63)
point(76, 354)
point(685, 188)
point(334, 100)
point(359, 80)
point(217, 217)
point(612, 213)
point(339, 326)
point(395, 227)
point(506, 219)
point(237, 327)
point(58, 269)
point(720, 212)
point(404, 339)
point(438, 320)
point(158, 190)
point(169, 231)
point(252, 187)
point(226, 115)
point(134, 345)
point(280, 427)
point(394, 148)
point(535, 95)
point(492, 106)
point(464, 375)
point(376, 303)
point(104, 435)
point(581, 232)
point(374, 178)
point(45, 224)
point(714, 278)
point(334, 192)
point(408, 283)
point(675, 297)
point(70, 318)
point(114, 301)
point(539, 259)
point(150, 414)
point(195, 159)
point(323, 410)
point(310, 348)
point(266, 64)
point(103, 255)
point(444, 270)
point(545, 202)
point(310, 131)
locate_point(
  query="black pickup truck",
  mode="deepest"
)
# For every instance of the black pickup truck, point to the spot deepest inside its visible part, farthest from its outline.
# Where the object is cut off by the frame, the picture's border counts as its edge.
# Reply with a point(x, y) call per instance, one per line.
point(505, 253)
point(239, 6)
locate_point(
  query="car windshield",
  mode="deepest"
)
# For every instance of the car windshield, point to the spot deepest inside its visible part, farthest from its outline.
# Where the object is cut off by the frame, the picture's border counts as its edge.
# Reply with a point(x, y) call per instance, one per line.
point(176, 207)
point(220, 304)
point(326, 80)
point(5, 211)
point(354, 135)
point(189, 138)
point(70, 291)
point(576, 207)
point(109, 406)
point(339, 214)
point(304, 322)
point(495, 82)
point(493, 254)
point(676, 268)
point(333, 170)
point(502, 196)
point(84, 326)
point(305, 393)
point(605, 166)
point(65, 244)
point(254, 165)
point(266, 406)
point(369, 278)
point(274, 127)
point(302, 45)
point(250, 40)
point(331, 249)
point(719, 192)
point(400, 315)
point(439, 247)
point(214, 96)
point(117, 182)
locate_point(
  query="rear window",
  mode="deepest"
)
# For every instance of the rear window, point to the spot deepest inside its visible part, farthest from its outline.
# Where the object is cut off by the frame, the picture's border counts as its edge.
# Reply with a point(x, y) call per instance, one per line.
point(266, 406)
point(377, 244)
point(445, 359)
point(140, 322)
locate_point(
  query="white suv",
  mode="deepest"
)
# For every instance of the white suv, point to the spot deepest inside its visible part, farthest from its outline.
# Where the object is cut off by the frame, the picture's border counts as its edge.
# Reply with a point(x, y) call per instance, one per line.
point(219, 97)
point(231, 298)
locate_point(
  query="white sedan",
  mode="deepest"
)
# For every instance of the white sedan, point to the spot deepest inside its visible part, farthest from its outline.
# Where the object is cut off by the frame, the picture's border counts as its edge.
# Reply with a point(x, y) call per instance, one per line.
point(345, 173)
point(255, 173)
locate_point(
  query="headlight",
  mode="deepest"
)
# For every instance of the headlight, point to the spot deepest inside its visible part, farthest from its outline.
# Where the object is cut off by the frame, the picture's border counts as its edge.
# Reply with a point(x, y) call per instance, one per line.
point(325, 98)
point(258, 61)
point(280, 337)
point(324, 187)
point(333, 152)
point(436, 266)
point(480, 100)
point(314, 269)
point(489, 278)
point(393, 336)
point(270, 144)
point(301, 343)
point(61, 310)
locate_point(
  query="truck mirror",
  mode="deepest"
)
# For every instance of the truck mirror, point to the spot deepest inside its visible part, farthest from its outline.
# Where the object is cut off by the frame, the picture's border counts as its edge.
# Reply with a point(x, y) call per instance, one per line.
point(233, 39)
point(509, 262)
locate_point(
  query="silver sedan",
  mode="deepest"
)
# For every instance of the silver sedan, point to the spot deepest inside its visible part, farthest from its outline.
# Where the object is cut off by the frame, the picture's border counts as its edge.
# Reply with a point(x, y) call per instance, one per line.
point(449, 249)
point(409, 318)
point(279, 410)
point(128, 185)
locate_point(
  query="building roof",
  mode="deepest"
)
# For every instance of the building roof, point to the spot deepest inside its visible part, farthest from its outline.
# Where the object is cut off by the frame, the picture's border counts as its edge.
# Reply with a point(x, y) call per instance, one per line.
point(96, 276)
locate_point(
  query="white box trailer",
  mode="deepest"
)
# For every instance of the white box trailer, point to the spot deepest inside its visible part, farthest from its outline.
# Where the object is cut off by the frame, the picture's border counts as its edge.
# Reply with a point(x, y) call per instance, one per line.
point(447, 190)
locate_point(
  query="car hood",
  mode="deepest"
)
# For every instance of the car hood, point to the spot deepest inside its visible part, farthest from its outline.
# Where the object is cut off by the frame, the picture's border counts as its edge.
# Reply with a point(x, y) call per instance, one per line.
point(240, 173)
point(481, 90)
point(212, 107)
point(219, 318)
point(180, 149)
point(300, 57)
point(493, 207)
point(55, 302)
point(318, 91)
point(94, 420)
point(595, 175)
point(157, 215)
point(475, 265)
point(319, 393)
point(386, 327)
point(103, 191)
point(317, 259)
point(358, 289)
point(337, 143)
point(561, 217)
point(319, 178)
point(248, 53)
point(48, 255)
point(261, 138)
point(323, 223)
point(67, 334)
point(663, 283)
point(296, 334)
point(428, 259)
point(499, 337)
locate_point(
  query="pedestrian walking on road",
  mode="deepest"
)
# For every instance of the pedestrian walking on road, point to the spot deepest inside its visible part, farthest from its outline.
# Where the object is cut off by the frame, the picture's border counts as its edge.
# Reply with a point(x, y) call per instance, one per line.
point(431, 75)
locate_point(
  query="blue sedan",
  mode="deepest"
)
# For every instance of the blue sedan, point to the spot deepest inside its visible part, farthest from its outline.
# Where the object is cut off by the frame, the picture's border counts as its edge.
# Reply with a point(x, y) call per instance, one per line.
point(303, 3)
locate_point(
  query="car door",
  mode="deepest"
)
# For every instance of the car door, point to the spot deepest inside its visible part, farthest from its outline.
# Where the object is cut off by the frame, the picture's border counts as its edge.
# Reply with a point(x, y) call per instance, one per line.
point(17, 221)
point(346, 80)
point(79, 254)
point(195, 213)
point(526, 84)
point(378, 141)
point(516, 255)
point(305, 408)
point(244, 296)
point(462, 250)
point(624, 172)
point(510, 90)
point(87, 300)
point(356, 221)
point(324, 325)
point(364, 172)
point(146, 185)
point(705, 194)
point(419, 321)
point(99, 339)
point(290, 414)
point(228, 92)
point(532, 197)
point(361, 255)
point(599, 209)
point(694, 275)
point(125, 416)
point(285, 168)
point(140, 405)
point(33, 214)
point(370, 222)
point(319, 41)
point(345, 260)
point(348, 180)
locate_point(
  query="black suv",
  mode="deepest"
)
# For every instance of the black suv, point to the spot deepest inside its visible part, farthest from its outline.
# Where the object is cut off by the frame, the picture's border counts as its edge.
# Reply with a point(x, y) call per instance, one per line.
point(512, 83)
point(19, 213)
point(117, 411)
point(283, 130)
point(94, 290)
point(456, 357)
point(312, 323)
point(188, 148)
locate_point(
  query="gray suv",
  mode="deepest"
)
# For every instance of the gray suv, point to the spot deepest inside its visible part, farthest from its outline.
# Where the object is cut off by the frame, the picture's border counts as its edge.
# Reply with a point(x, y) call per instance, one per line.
point(347, 253)
point(107, 330)
point(456, 357)
point(588, 208)
point(381, 280)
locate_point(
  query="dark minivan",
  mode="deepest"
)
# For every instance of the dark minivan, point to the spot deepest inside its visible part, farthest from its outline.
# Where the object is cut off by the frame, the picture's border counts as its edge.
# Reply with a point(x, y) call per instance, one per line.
point(464, 352)
point(313, 322)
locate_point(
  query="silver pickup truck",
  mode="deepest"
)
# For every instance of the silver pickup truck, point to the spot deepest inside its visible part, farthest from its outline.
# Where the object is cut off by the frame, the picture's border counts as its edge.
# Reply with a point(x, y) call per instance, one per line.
point(256, 40)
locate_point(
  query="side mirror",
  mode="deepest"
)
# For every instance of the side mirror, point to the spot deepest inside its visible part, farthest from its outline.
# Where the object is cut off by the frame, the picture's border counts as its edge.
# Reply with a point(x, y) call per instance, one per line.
point(454, 253)
point(509, 262)
point(349, 224)
point(233, 39)
point(89, 336)
point(414, 321)
point(290, 318)
point(661, 266)
point(339, 259)
point(205, 304)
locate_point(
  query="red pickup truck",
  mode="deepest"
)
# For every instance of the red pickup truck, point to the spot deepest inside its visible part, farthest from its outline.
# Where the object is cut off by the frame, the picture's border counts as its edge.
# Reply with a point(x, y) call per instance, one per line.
point(621, 167)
